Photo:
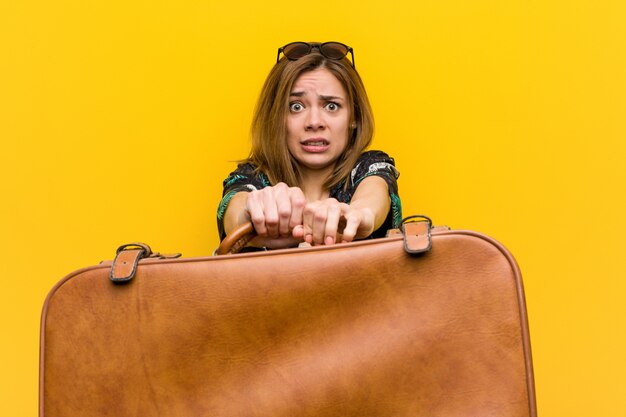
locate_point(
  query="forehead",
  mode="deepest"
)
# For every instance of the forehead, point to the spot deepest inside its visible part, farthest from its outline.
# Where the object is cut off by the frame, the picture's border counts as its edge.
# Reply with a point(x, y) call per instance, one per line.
point(320, 81)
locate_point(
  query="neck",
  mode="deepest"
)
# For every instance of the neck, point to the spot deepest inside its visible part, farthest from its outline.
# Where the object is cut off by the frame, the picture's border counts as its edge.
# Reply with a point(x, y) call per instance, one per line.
point(312, 183)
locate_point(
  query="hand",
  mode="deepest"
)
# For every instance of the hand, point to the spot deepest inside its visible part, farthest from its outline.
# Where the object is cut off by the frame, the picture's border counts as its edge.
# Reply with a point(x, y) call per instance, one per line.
point(275, 212)
point(329, 221)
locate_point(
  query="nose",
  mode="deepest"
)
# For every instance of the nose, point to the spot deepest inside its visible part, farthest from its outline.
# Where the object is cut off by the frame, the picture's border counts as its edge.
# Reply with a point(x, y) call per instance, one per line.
point(315, 119)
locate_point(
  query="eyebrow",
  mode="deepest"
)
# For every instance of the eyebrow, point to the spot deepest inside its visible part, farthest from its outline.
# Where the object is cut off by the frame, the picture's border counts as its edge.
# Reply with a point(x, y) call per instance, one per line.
point(323, 97)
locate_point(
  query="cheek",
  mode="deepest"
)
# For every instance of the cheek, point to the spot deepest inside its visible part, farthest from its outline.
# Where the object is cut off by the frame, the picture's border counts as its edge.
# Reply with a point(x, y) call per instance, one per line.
point(292, 127)
point(343, 128)
point(292, 137)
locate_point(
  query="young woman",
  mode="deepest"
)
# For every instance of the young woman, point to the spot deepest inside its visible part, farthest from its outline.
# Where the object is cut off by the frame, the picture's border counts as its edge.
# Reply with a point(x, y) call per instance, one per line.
point(308, 177)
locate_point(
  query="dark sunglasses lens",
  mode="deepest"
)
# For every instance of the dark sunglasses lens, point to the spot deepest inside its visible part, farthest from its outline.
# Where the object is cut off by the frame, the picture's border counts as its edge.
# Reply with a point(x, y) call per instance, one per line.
point(296, 50)
point(334, 50)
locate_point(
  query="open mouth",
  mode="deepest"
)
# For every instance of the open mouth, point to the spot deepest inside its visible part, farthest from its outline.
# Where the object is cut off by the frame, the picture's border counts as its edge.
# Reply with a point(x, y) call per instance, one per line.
point(315, 142)
point(315, 145)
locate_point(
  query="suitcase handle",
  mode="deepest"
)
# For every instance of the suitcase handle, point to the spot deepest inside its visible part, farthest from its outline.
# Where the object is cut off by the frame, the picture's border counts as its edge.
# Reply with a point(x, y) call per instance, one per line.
point(415, 229)
point(236, 240)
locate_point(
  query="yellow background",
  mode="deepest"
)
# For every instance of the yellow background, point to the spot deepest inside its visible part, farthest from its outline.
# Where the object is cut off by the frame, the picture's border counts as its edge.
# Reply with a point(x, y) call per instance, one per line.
point(119, 120)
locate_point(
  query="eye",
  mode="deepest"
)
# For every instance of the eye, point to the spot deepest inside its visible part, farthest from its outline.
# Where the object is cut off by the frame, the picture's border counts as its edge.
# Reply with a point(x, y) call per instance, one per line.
point(331, 106)
point(296, 107)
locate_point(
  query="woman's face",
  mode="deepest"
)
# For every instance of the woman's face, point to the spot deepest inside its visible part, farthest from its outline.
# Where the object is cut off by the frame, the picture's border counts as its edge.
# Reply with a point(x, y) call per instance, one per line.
point(317, 122)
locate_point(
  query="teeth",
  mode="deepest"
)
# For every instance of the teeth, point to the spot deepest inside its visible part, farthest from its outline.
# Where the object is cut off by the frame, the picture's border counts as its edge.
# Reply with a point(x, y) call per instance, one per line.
point(315, 143)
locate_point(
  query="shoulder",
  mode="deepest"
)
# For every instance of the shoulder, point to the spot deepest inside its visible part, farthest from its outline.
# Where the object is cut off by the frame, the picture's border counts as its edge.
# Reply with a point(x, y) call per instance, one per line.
point(373, 162)
point(244, 168)
point(374, 155)
point(246, 176)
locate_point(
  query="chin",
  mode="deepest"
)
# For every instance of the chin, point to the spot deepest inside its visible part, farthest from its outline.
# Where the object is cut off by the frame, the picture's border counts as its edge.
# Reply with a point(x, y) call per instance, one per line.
point(315, 164)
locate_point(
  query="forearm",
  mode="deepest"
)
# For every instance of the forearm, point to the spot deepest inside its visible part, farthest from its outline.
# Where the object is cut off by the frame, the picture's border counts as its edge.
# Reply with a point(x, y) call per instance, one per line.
point(235, 214)
point(372, 198)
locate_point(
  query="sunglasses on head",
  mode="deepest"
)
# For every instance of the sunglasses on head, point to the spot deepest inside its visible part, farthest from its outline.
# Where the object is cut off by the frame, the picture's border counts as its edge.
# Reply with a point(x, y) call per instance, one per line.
point(331, 50)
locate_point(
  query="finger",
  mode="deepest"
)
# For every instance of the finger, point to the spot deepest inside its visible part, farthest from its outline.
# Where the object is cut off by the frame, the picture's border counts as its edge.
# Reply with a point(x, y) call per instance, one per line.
point(353, 221)
point(307, 221)
point(283, 207)
point(298, 202)
point(319, 223)
point(298, 232)
point(332, 224)
point(271, 212)
point(254, 206)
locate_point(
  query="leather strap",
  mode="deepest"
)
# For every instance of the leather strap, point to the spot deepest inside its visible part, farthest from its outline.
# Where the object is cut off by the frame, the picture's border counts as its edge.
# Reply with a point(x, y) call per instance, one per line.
point(126, 260)
point(416, 231)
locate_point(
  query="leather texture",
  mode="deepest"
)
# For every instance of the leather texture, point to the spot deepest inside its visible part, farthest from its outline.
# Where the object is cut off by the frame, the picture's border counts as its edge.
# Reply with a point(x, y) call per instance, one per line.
point(360, 329)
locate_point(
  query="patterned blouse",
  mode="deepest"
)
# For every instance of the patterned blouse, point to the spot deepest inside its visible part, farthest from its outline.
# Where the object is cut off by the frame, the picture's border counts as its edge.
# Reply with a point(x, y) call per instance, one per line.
point(378, 163)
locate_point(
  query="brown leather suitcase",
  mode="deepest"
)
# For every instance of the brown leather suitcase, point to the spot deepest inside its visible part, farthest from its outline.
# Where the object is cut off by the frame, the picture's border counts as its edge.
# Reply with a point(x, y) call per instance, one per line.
point(359, 329)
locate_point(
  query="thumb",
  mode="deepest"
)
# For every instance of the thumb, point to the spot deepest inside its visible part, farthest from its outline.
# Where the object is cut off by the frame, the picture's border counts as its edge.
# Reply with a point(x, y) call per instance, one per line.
point(298, 232)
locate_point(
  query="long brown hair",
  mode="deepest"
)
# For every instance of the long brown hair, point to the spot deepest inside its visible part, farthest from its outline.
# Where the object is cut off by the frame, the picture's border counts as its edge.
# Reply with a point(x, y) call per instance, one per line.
point(269, 125)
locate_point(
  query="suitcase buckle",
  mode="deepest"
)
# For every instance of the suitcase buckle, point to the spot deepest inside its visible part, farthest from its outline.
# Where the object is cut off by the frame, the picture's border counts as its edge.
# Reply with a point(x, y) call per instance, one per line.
point(126, 260)
point(416, 232)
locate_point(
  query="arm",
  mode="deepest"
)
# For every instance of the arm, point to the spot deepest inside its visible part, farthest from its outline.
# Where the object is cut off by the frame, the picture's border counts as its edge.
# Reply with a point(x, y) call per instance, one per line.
point(234, 215)
point(380, 165)
point(372, 200)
